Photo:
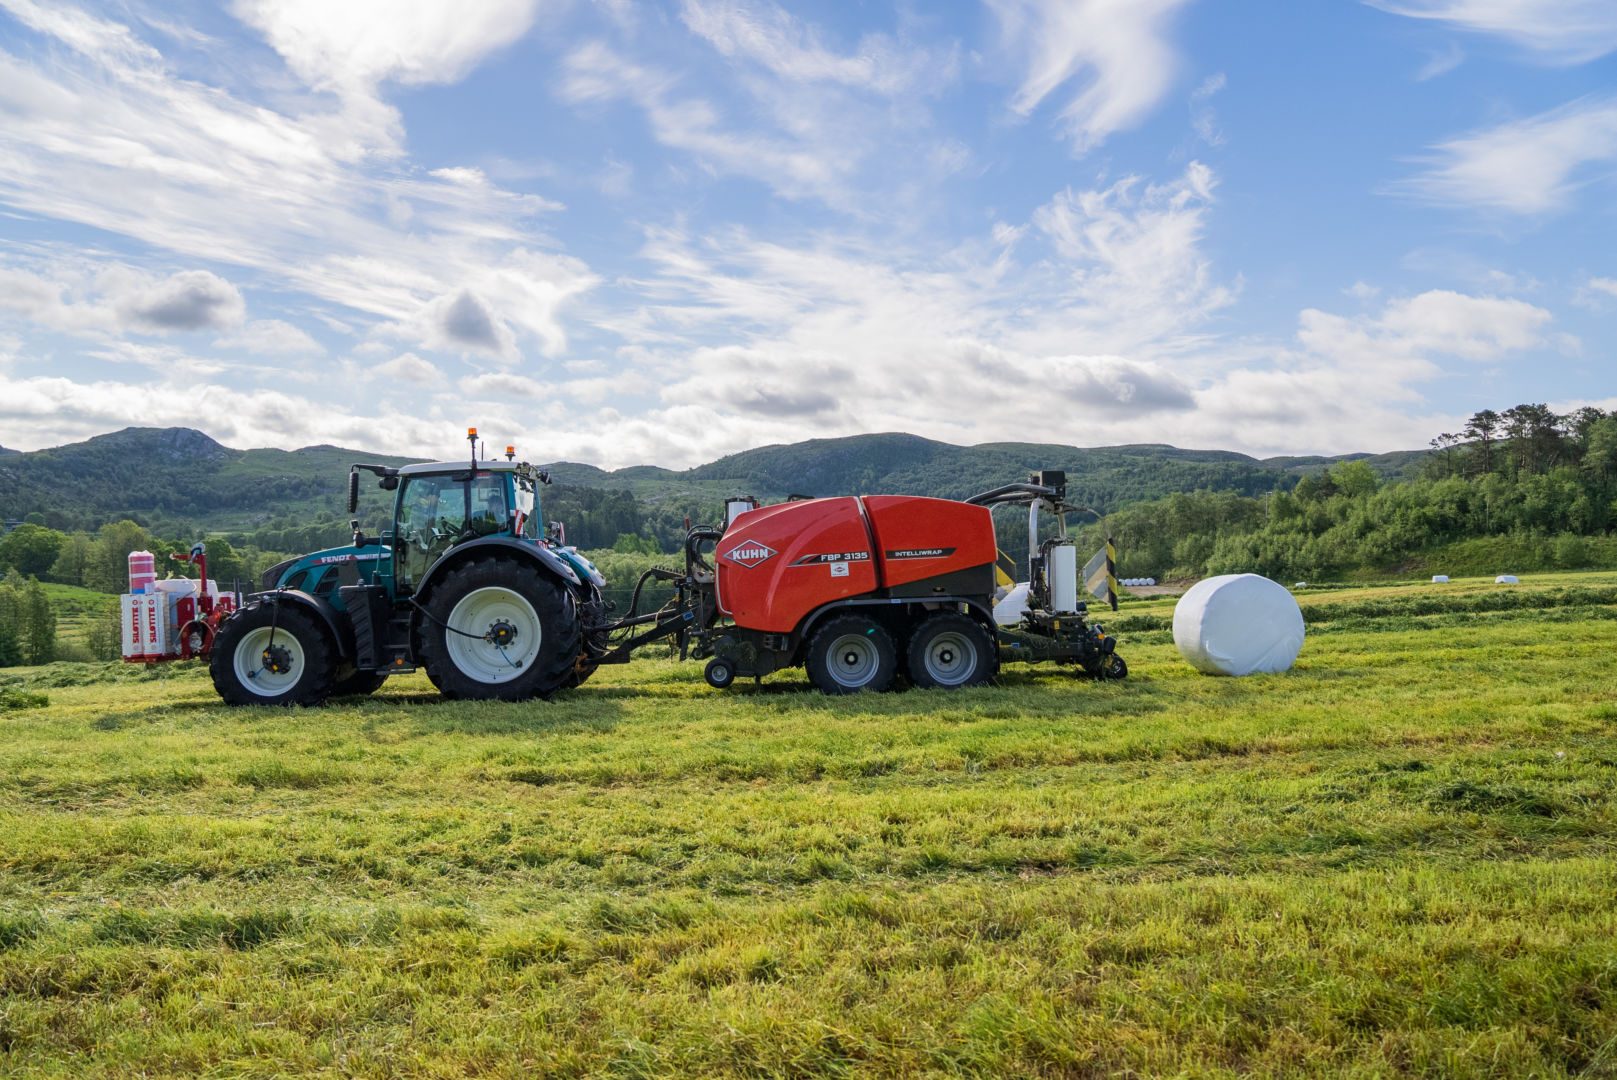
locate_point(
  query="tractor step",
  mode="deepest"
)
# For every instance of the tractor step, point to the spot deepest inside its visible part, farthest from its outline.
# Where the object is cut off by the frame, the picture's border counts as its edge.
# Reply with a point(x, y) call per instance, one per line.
point(381, 634)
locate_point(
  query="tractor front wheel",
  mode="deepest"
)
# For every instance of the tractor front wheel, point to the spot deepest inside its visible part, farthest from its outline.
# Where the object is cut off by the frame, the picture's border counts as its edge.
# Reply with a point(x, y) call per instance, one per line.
point(851, 653)
point(499, 629)
point(271, 654)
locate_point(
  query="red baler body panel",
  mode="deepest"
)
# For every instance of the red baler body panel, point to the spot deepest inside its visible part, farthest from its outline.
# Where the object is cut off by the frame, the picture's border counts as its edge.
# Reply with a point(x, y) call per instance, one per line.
point(777, 564)
point(919, 538)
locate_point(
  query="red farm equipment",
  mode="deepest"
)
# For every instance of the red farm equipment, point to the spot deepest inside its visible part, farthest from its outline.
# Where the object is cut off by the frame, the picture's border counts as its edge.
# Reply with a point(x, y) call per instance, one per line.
point(865, 591)
point(175, 618)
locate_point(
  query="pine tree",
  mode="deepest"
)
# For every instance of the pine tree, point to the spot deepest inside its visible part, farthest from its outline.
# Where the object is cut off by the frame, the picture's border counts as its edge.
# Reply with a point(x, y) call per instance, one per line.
point(38, 624)
point(11, 608)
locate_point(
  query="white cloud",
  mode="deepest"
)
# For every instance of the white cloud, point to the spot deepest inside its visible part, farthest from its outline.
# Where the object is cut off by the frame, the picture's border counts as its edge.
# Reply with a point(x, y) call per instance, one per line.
point(190, 300)
point(1410, 333)
point(1135, 274)
point(1441, 63)
point(1597, 293)
point(1202, 117)
point(47, 411)
point(796, 168)
point(1118, 53)
point(1554, 31)
point(271, 337)
point(356, 44)
point(499, 386)
point(763, 33)
point(1090, 313)
point(104, 134)
point(89, 298)
point(1530, 166)
point(408, 367)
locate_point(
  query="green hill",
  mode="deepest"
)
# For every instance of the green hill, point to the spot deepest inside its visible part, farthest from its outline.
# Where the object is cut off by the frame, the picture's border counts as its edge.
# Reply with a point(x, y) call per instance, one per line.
point(184, 480)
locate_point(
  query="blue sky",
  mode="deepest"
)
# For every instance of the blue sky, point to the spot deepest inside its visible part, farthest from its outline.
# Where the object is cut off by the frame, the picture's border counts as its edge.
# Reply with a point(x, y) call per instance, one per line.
point(624, 232)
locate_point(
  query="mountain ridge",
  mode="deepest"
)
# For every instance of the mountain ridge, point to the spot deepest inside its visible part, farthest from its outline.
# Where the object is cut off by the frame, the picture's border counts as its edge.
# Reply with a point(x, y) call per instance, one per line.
point(183, 476)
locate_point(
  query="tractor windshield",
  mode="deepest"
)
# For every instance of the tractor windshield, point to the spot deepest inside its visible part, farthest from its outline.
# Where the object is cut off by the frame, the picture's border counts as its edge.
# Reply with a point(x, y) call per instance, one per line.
point(438, 510)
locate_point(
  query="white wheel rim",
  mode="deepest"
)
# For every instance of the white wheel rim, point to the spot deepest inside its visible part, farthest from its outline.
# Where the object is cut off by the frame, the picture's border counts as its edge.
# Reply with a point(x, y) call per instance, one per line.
point(950, 658)
point(251, 669)
point(489, 611)
point(852, 661)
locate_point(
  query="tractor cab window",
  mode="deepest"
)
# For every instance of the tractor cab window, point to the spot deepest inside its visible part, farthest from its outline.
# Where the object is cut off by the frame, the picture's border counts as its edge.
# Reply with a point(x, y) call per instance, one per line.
point(433, 516)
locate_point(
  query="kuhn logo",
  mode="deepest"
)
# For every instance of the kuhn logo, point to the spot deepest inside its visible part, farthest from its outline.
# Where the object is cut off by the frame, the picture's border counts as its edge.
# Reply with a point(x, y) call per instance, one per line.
point(749, 554)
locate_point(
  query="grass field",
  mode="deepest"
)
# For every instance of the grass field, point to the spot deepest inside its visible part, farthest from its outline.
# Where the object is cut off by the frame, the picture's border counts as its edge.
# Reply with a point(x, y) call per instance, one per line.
point(1397, 859)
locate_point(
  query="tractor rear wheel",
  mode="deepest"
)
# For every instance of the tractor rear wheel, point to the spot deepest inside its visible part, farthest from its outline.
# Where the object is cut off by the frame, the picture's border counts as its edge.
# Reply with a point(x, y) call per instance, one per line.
point(950, 650)
point(271, 654)
point(502, 630)
point(851, 653)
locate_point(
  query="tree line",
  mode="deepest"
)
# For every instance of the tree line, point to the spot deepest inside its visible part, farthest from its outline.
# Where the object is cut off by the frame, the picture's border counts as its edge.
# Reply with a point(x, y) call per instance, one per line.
point(1543, 484)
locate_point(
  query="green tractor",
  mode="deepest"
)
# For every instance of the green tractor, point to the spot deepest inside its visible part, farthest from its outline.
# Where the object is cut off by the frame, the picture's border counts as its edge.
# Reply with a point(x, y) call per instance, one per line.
point(465, 584)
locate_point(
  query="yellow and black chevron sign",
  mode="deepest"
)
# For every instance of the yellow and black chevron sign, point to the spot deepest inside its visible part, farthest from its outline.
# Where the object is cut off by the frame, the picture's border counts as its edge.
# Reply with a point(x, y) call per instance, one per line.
point(1004, 571)
point(1100, 574)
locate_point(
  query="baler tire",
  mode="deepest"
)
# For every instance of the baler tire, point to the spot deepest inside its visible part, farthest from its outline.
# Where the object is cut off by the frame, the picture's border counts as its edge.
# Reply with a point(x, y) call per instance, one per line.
point(719, 673)
point(556, 618)
point(878, 656)
point(950, 628)
point(359, 684)
point(308, 647)
point(1114, 668)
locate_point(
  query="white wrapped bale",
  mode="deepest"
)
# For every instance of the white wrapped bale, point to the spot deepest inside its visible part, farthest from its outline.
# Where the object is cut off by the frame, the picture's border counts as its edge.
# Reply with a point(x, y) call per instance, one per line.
point(1507, 579)
point(1440, 579)
point(1238, 624)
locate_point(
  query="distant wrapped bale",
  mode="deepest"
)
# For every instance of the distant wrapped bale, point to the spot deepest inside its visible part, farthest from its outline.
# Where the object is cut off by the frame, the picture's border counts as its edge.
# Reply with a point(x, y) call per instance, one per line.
point(1238, 624)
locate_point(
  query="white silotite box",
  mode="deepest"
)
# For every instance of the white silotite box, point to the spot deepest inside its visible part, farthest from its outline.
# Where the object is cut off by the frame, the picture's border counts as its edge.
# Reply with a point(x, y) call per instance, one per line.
point(145, 618)
point(1238, 624)
point(1063, 577)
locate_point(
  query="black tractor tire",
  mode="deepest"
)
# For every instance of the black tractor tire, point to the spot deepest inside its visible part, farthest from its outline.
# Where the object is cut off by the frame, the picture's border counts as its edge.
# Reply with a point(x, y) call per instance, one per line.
point(301, 643)
point(577, 678)
point(359, 684)
point(470, 668)
point(850, 653)
point(719, 673)
point(950, 650)
point(1113, 669)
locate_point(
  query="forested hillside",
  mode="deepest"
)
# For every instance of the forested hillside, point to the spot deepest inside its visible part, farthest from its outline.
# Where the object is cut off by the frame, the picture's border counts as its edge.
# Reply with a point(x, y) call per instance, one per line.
point(1521, 489)
point(177, 481)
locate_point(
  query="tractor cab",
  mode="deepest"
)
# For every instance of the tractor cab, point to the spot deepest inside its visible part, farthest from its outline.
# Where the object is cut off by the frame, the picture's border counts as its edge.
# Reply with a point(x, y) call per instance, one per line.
point(443, 504)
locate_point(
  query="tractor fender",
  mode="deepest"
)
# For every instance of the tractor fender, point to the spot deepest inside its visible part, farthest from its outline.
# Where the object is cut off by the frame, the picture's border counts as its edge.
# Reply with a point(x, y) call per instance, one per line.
point(552, 563)
point(332, 619)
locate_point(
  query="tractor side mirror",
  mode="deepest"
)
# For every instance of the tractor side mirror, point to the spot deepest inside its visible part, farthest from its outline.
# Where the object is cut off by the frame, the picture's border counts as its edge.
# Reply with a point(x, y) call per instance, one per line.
point(353, 490)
